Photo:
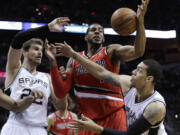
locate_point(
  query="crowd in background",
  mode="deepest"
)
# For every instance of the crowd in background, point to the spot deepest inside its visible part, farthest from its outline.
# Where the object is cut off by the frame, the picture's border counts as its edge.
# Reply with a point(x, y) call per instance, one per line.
point(161, 14)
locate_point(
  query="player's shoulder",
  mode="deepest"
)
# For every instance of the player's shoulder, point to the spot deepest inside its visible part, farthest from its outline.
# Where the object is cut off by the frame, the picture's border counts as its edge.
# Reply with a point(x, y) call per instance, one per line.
point(52, 117)
point(51, 114)
point(74, 115)
point(156, 107)
point(155, 112)
point(43, 74)
point(113, 47)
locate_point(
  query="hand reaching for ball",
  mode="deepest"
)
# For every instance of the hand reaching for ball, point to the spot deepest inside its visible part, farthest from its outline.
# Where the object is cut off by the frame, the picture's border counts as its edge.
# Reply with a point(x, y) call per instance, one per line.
point(141, 11)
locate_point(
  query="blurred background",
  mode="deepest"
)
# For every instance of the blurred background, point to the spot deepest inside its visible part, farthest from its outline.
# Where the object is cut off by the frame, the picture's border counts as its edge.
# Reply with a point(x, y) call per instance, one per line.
point(162, 15)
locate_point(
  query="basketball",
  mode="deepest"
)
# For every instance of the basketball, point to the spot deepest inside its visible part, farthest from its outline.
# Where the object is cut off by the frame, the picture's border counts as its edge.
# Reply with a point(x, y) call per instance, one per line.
point(123, 21)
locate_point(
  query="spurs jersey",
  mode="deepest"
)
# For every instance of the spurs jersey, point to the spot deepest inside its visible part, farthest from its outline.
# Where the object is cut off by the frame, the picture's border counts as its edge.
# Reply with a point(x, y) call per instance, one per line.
point(23, 84)
point(61, 124)
point(135, 110)
point(95, 98)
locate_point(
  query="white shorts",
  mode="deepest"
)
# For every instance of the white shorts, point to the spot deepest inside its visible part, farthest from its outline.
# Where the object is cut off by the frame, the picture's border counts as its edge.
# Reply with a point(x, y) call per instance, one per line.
point(12, 127)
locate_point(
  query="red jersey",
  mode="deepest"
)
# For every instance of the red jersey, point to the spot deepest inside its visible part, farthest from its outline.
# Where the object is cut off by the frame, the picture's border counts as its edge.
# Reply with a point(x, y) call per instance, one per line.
point(61, 124)
point(95, 98)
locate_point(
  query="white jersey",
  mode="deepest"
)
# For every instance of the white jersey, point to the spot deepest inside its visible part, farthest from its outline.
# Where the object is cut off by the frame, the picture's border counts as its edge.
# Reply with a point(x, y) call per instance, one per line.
point(135, 110)
point(23, 84)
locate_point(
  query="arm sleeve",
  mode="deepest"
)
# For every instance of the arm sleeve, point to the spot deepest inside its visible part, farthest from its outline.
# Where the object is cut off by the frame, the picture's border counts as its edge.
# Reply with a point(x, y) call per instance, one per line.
point(153, 131)
point(61, 87)
point(138, 127)
point(22, 36)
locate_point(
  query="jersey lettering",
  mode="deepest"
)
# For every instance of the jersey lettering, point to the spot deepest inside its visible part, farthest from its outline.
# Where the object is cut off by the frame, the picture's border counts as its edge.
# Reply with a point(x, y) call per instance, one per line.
point(81, 70)
point(31, 82)
point(27, 92)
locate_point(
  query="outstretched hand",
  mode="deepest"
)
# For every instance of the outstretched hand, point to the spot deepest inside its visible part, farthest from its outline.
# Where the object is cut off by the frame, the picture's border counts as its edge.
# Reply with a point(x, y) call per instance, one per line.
point(86, 124)
point(141, 11)
point(37, 94)
point(63, 49)
point(50, 51)
point(58, 24)
point(62, 72)
point(27, 101)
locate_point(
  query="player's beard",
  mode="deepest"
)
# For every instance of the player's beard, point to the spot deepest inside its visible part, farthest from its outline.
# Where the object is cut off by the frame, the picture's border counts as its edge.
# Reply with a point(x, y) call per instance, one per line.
point(35, 62)
point(95, 44)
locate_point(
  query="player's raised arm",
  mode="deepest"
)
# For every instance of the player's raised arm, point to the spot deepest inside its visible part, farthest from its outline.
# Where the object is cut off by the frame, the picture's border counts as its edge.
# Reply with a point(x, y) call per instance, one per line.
point(129, 52)
point(15, 50)
point(61, 87)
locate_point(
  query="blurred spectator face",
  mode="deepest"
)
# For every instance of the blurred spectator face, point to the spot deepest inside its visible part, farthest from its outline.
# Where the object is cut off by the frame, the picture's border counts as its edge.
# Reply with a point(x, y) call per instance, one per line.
point(59, 105)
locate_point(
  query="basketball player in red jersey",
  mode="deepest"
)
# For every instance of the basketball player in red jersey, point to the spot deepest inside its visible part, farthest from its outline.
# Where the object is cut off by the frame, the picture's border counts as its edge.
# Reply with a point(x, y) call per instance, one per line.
point(58, 121)
point(145, 107)
point(96, 99)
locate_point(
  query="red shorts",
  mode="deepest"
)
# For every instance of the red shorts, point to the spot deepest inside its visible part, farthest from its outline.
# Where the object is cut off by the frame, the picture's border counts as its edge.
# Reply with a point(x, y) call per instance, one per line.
point(117, 120)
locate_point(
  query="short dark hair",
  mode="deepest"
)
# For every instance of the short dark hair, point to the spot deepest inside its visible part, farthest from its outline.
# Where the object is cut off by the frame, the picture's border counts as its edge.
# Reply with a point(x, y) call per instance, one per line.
point(153, 69)
point(28, 43)
point(90, 26)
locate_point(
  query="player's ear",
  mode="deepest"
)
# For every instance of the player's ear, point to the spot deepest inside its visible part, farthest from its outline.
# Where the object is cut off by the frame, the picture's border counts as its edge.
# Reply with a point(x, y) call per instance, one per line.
point(150, 78)
point(24, 53)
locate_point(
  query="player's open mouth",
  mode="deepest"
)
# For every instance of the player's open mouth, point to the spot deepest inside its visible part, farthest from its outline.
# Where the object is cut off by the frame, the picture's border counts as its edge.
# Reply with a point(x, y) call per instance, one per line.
point(39, 58)
point(96, 37)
